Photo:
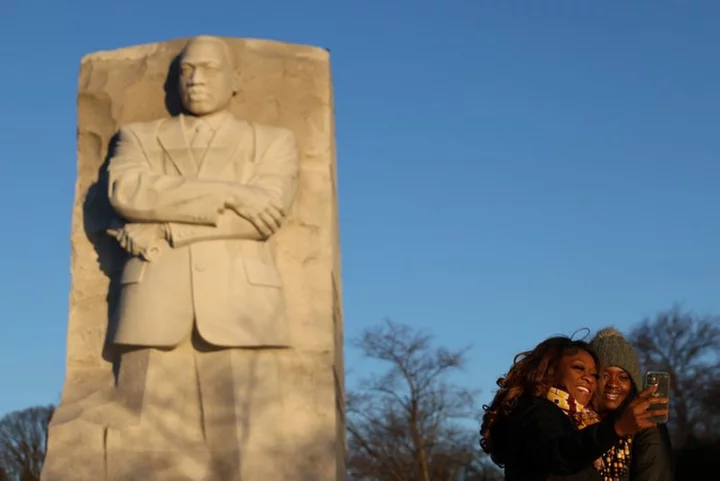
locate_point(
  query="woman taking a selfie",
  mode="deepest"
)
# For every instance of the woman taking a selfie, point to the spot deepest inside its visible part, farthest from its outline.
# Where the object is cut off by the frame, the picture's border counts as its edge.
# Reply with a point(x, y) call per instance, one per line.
point(537, 425)
point(647, 455)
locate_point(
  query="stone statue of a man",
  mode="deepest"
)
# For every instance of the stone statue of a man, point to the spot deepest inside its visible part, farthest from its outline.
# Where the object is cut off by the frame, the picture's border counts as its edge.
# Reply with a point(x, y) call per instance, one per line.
point(199, 194)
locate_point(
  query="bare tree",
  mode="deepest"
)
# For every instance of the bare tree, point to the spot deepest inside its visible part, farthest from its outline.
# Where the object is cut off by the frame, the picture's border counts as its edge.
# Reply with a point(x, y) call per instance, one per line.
point(409, 422)
point(688, 347)
point(23, 443)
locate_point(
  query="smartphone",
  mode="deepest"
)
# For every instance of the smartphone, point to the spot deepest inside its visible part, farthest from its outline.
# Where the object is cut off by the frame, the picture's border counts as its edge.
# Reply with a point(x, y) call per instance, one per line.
point(662, 381)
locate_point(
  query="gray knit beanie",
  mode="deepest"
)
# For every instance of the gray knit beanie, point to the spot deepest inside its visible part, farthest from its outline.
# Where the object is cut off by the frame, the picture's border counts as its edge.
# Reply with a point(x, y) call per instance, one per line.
point(613, 350)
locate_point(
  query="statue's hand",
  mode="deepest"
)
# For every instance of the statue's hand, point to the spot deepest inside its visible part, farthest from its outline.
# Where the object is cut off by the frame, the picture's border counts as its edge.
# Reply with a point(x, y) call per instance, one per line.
point(258, 207)
point(140, 239)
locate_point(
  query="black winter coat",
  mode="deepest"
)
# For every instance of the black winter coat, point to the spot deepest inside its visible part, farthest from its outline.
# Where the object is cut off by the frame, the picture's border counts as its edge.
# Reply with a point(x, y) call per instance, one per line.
point(651, 456)
point(538, 442)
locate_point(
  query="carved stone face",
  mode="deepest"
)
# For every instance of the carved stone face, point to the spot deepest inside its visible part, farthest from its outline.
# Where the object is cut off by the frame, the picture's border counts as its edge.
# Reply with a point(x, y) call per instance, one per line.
point(206, 77)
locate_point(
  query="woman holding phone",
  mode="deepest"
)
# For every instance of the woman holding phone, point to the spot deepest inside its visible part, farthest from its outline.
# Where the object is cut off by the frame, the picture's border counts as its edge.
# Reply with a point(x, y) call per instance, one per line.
point(646, 456)
point(538, 427)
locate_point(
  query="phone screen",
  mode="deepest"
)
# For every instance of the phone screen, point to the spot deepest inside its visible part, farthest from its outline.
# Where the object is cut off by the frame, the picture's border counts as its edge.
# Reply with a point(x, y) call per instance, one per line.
point(662, 381)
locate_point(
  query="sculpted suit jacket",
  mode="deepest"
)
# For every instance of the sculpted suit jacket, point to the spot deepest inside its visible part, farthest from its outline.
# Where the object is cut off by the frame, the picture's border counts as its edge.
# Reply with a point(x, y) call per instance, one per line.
point(216, 269)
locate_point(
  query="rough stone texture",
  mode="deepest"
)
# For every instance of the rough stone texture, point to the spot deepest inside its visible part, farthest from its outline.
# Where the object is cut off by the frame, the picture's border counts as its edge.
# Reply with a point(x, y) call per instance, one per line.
point(280, 84)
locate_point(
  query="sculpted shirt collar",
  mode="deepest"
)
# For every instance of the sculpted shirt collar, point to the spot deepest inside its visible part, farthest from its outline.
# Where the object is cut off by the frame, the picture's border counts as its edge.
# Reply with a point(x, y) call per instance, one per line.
point(214, 121)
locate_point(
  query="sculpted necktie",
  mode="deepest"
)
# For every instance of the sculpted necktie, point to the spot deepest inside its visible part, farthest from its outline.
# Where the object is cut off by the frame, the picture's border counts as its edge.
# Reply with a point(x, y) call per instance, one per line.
point(201, 139)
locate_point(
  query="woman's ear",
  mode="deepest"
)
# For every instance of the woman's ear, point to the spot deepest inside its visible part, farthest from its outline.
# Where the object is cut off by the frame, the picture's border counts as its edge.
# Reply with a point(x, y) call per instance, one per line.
point(552, 375)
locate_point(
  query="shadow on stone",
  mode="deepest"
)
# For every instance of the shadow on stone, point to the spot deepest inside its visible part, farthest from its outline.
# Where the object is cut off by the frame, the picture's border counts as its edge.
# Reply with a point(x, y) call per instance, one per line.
point(98, 214)
point(130, 455)
point(172, 94)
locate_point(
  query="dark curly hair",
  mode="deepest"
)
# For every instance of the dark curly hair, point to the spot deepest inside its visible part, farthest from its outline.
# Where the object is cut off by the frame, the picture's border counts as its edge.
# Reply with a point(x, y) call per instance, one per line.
point(534, 373)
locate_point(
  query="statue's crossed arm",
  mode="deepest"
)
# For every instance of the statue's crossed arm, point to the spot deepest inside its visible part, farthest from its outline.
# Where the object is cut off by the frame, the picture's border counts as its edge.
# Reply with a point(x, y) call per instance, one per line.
point(182, 210)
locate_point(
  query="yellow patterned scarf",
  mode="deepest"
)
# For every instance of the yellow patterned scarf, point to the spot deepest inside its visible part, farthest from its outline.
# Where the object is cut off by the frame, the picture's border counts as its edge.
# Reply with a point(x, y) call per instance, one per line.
point(615, 462)
point(580, 416)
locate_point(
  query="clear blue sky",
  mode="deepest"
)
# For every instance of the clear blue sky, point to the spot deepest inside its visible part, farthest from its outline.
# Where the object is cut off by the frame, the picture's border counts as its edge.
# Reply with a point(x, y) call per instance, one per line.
point(508, 170)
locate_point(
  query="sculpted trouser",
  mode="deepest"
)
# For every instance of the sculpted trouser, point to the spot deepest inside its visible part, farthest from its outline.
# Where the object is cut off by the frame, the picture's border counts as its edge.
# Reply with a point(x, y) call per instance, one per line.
point(202, 413)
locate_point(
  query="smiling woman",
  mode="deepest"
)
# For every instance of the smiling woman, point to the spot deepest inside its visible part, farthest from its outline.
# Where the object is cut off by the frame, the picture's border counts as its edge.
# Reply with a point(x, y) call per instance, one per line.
point(578, 374)
point(615, 387)
point(645, 456)
point(538, 426)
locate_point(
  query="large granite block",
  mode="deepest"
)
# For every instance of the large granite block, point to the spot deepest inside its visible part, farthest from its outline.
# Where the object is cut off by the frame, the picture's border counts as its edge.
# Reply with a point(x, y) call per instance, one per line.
point(127, 406)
